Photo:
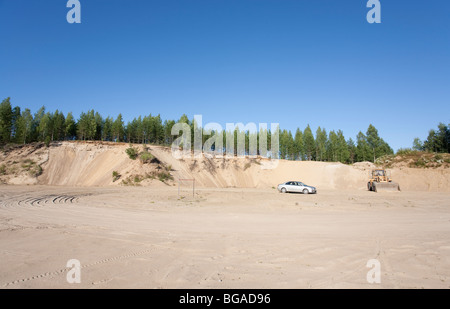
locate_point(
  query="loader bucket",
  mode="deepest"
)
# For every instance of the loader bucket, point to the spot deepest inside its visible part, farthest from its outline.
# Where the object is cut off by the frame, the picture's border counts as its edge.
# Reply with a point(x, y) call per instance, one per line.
point(386, 186)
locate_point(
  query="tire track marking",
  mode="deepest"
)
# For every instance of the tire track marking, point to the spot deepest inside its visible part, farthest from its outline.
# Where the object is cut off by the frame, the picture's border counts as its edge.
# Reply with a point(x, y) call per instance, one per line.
point(66, 269)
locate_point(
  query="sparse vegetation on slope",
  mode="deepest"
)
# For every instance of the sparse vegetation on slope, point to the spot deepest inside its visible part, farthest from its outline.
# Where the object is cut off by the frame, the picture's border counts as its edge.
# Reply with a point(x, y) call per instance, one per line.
point(132, 152)
point(146, 157)
point(415, 159)
point(116, 176)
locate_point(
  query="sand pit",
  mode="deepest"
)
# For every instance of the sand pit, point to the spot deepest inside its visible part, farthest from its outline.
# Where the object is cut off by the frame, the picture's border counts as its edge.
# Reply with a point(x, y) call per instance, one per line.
point(141, 237)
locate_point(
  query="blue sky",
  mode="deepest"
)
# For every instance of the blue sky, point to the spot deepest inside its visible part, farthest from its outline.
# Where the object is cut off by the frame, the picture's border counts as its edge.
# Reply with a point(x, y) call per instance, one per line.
point(295, 62)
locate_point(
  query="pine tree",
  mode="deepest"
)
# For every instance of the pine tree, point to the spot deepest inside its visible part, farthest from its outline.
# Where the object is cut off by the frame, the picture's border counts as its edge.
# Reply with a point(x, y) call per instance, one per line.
point(321, 141)
point(417, 144)
point(308, 143)
point(363, 152)
point(107, 129)
point(24, 126)
point(99, 124)
point(70, 126)
point(36, 123)
point(298, 145)
point(333, 147)
point(344, 154)
point(14, 122)
point(59, 125)
point(168, 138)
point(284, 144)
point(6, 118)
point(118, 130)
point(373, 140)
point(352, 150)
point(45, 128)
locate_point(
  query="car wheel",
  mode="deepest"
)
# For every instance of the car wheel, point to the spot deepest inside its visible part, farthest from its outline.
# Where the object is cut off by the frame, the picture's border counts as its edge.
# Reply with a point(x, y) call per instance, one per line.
point(305, 191)
point(283, 190)
point(369, 187)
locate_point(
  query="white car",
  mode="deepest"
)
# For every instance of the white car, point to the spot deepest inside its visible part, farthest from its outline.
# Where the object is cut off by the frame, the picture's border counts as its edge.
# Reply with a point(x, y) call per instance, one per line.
point(296, 186)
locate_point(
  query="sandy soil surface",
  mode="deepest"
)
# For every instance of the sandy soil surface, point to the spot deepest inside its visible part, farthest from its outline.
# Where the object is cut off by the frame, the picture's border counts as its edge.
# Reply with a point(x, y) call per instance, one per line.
point(144, 237)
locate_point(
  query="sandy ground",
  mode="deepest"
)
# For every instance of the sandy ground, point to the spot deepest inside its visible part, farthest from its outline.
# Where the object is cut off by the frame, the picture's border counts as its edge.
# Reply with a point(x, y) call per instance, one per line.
point(141, 237)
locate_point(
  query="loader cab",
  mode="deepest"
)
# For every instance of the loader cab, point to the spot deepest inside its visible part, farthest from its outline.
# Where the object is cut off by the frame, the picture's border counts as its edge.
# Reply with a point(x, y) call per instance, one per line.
point(379, 173)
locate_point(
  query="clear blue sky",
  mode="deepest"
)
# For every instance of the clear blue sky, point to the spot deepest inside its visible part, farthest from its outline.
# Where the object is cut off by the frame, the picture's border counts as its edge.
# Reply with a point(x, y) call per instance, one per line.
point(295, 62)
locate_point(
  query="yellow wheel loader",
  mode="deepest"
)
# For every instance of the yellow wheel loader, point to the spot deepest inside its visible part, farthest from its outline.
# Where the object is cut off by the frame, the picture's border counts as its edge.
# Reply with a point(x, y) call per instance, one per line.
point(381, 181)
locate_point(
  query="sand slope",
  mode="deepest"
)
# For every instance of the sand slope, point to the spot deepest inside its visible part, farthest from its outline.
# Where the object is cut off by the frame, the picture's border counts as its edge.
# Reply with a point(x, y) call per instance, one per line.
point(92, 164)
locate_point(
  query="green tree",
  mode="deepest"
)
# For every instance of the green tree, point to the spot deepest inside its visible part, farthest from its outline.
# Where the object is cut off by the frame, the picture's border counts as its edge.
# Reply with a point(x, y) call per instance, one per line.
point(70, 126)
point(344, 154)
point(333, 147)
point(118, 130)
point(308, 143)
point(363, 152)
point(376, 144)
point(14, 122)
point(442, 138)
point(139, 130)
point(417, 144)
point(45, 128)
point(158, 130)
point(287, 145)
point(99, 124)
point(321, 142)
point(59, 125)
point(373, 140)
point(168, 138)
point(132, 131)
point(24, 127)
point(87, 126)
point(107, 129)
point(352, 150)
point(298, 145)
point(36, 123)
point(6, 118)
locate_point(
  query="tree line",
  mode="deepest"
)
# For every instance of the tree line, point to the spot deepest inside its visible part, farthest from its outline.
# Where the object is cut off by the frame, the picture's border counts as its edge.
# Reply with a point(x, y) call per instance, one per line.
point(22, 127)
point(437, 140)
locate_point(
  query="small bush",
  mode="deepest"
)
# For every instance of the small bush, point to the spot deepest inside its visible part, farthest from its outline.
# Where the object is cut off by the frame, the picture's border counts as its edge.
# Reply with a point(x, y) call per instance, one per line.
point(27, 164)
point(3, 169)
point(164, 176)
point(406, 151)
point(132, 153)
point(421, 163)
point(115, 175)
point(150, 176)
point(36, 171)
point(247, 165)
point(47, 141)
point(138, 178)
point(146, 157)
point(438, 157)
